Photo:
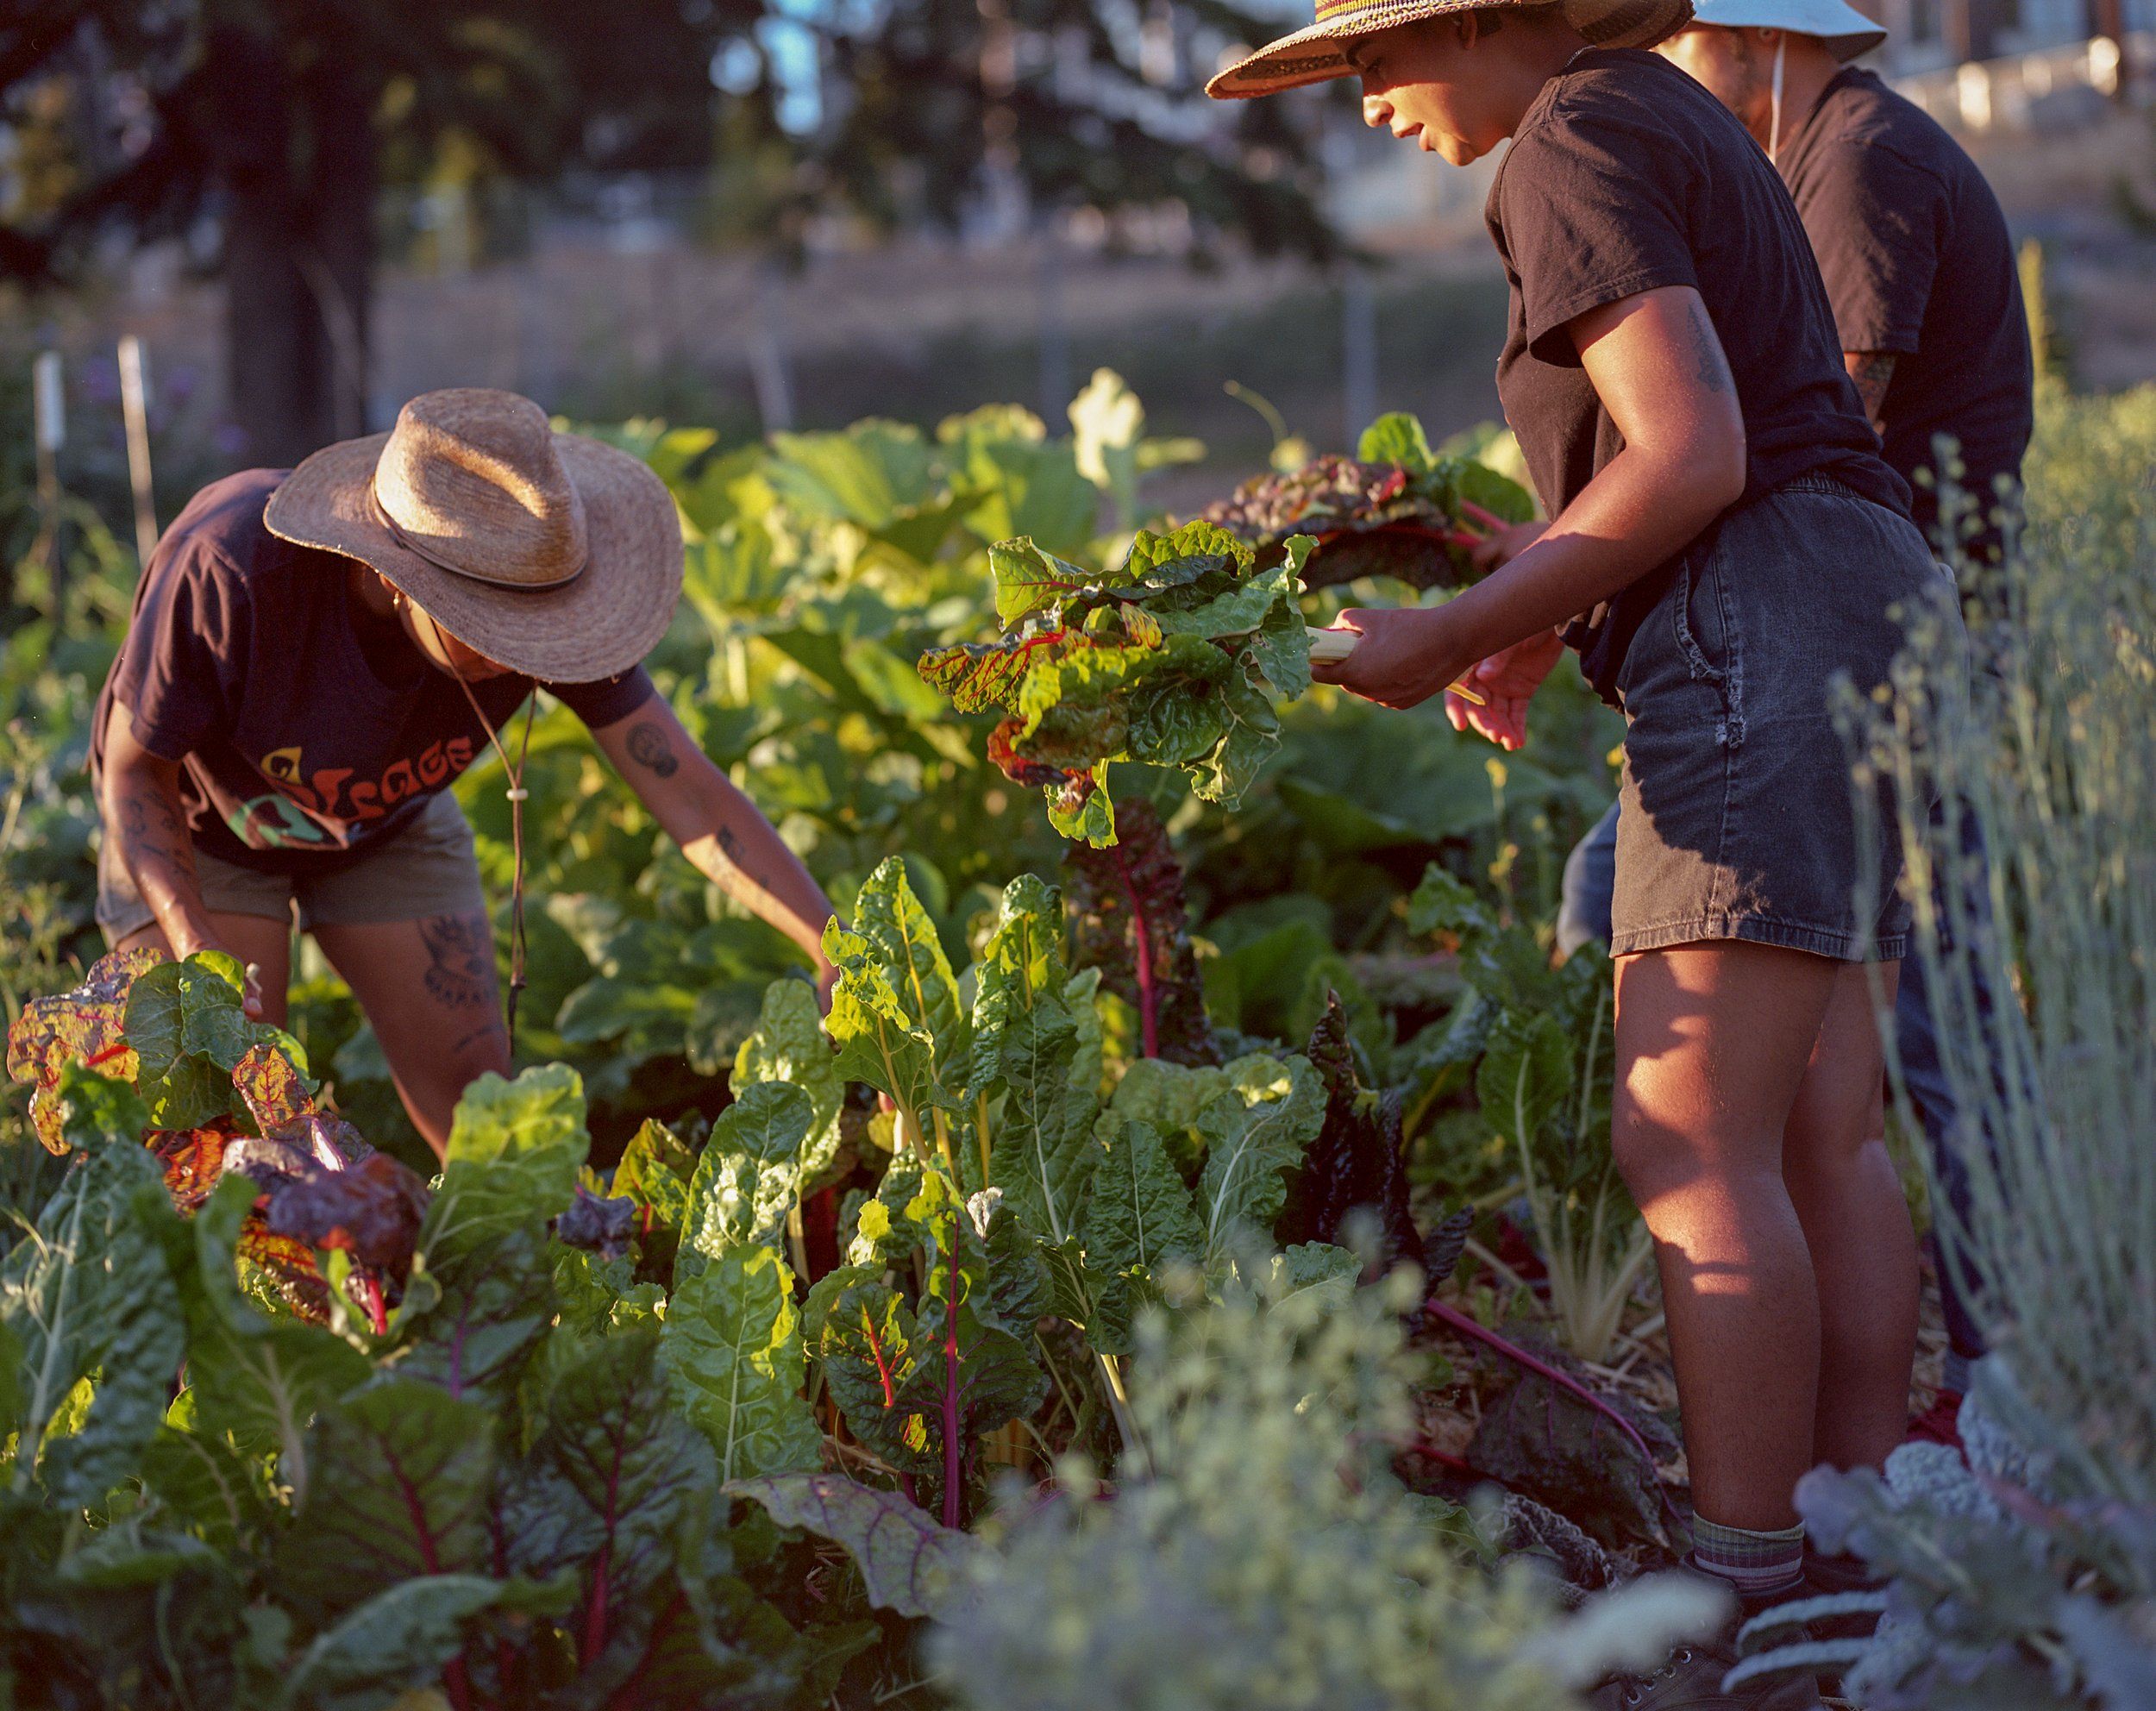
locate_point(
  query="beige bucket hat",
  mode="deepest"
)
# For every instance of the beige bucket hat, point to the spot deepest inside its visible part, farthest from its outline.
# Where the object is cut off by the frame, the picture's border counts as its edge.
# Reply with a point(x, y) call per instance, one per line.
point(1320, 53)
point(550, 554)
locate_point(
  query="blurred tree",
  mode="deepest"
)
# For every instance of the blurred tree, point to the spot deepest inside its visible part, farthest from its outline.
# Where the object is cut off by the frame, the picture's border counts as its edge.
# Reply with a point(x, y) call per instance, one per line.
point(271, 124)
point(282, 118)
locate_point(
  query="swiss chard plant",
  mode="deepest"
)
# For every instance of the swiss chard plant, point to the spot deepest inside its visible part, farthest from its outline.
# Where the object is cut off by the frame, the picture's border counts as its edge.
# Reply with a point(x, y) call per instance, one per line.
point(1173, 658)
point(1395, 508)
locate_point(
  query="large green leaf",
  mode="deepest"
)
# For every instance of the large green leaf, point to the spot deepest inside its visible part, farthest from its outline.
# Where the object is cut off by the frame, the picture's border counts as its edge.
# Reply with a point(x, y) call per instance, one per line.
point(205, 1482)
point(1167, 1097)
point(789, 1045)
point(868, 1346)
point(514, 1152)
point(879, 1043)
point(749, 1176)
point(611, 1477)
point(1140, 1217)
point(402, 1470)
point(1042, 1154)
point(188, 1031)
point(92, 1290)
point(735, 1363)
point(1027, 579)
point(483, 1315)
point(397, 1644)
point(1525, 1074)
point(903, 939)
point(1033, 489)
point(258, 1379)
point(908, 1564)
point(1252, 1134)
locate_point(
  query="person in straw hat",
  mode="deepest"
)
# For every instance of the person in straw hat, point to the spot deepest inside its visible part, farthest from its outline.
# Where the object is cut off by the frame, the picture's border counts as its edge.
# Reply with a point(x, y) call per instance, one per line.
point(316, 654)
point(1724, 542)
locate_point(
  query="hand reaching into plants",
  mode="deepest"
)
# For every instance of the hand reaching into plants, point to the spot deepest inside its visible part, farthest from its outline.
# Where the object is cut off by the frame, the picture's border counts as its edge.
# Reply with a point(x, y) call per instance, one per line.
point(1506, 681)
point(1407, 655)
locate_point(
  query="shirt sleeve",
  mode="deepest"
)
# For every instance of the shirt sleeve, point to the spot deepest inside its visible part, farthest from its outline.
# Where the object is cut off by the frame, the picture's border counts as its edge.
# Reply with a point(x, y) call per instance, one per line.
point(185, 650)
point(1593, 212)
point(1875, 222)
point(607, 701)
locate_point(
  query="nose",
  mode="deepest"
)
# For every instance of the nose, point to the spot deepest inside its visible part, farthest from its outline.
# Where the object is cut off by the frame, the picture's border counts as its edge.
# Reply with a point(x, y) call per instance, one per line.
point(1377, 112)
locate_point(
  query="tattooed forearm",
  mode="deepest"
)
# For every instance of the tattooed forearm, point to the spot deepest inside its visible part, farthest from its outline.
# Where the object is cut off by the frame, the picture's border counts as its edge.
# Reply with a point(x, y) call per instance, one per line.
point(647, 747)
point(1872, 370)
point(1711, 366)
point(459, 961)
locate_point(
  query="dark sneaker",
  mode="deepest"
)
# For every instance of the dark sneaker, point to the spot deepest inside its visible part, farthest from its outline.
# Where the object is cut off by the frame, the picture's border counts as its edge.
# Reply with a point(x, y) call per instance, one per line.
point(1938, 1424)
point(1692, 1681)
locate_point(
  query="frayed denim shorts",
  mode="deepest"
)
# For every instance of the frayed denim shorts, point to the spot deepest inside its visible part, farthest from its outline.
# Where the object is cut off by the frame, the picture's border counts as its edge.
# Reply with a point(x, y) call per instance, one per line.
point(1739, 819)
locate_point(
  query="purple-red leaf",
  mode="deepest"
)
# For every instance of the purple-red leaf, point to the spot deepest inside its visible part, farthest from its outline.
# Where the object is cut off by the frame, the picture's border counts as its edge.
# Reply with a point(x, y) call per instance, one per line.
point(1128, 920)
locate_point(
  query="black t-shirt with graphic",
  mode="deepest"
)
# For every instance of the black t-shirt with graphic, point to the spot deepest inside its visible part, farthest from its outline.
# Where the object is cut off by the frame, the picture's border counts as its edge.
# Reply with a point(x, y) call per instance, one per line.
point(1626, 176)
point(1917, 265)
point(300, 744)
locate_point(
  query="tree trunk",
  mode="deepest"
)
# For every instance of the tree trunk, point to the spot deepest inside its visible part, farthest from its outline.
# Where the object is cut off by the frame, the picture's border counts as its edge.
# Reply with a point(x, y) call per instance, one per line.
point(296, 160)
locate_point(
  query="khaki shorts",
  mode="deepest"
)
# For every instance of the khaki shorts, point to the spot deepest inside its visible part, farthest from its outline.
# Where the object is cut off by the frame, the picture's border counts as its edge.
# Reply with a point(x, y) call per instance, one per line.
point(427, 870)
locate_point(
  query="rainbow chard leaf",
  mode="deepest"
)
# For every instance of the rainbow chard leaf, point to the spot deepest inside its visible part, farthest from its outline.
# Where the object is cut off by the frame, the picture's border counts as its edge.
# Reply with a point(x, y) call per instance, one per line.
point(1395, 508)
point(654, 1172)
point(865, 1338)
point(908, 1564)
point(1156, 661)
point(1140, 1217)
point(514, 1151)
point(85, 1027)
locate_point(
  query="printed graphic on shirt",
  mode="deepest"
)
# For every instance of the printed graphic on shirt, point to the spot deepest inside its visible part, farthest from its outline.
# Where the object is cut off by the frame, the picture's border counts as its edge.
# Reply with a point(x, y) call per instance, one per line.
point(320, 808)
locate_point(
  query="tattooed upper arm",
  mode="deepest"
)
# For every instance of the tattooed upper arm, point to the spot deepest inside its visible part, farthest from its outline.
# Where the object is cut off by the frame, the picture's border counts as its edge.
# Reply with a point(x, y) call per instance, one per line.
point(648, 748)
point(1711, 366)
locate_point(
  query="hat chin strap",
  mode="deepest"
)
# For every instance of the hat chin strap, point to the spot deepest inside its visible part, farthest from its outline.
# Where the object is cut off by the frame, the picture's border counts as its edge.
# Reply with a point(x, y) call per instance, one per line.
point(1774, 122)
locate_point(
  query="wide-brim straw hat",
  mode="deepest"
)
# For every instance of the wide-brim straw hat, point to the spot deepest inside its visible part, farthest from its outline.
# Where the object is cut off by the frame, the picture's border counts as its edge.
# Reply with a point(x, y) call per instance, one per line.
point(550, 554)
point(1844, 31)
point(1319, 52)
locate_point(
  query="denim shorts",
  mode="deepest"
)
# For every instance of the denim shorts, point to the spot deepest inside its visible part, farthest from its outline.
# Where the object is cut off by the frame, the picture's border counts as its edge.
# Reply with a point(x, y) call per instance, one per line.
point(1739, 816)
point(426, 868)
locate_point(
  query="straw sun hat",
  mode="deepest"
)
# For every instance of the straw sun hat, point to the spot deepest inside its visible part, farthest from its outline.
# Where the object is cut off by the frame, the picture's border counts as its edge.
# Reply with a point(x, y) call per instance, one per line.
point(1315, 54)
point(550, 554)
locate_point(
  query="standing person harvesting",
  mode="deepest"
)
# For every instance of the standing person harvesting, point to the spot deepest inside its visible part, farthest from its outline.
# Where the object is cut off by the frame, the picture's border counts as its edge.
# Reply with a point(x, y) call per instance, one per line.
point(1725, 542)
point(1920, 271)
point(316, 655)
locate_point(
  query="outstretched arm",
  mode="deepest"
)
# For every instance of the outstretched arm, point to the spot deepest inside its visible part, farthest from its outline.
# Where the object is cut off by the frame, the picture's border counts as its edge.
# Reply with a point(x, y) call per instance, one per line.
point(723, 833)
point(139, 800)
point(1658, 366)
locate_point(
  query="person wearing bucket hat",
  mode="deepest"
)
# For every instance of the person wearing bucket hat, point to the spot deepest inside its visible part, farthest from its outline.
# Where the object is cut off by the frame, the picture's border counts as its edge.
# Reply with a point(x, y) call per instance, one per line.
point(1724, 543)
point(1912, 245)
point(316, 655)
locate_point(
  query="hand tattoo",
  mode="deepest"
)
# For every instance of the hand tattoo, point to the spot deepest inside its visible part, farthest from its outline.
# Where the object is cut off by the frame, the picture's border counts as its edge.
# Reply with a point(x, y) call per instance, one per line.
point(647, 746)
point(460, 960)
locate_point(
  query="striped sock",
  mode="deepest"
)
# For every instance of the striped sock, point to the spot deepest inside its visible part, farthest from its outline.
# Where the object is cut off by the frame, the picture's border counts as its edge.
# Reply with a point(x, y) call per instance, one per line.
point(1755, 1564)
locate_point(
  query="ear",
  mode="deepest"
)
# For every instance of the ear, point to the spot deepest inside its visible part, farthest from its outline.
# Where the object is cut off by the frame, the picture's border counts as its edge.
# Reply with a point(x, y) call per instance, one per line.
point(1468, 26)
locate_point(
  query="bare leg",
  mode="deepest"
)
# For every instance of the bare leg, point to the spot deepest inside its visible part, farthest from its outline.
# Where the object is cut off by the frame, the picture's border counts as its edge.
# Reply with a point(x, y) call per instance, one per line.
point(1713, 1041)
point(429, 987)
point(1848, 1196)
point(265, 943)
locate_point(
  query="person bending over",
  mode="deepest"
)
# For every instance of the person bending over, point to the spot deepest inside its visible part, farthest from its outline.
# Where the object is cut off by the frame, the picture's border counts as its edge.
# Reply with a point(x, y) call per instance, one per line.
point(316, 655)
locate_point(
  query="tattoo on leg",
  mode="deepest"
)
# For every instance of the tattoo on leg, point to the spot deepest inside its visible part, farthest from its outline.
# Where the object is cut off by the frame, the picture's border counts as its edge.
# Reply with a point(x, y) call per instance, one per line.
point(460, 960)
point(1706, 353)
point(647, 746)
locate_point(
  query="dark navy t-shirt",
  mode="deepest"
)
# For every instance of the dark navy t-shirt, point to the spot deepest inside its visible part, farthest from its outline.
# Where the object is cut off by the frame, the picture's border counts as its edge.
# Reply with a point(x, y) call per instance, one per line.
point(1917, 265)
point(1626, 176)
point(299, 745)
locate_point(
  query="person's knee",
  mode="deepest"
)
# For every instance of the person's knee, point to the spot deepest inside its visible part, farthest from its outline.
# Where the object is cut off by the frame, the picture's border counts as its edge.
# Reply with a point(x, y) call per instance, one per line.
point(1651, 1157)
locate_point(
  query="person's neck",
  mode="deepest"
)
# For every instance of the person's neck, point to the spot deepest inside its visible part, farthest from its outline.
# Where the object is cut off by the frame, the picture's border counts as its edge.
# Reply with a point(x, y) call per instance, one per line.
point(1806, 71)
point(1542, 52)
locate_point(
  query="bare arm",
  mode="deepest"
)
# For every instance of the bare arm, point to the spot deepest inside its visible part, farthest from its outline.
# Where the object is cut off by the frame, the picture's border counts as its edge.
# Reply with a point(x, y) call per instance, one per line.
point(722, 832)
point(139, 802)
point(1873, 371)
point(1658, 366)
